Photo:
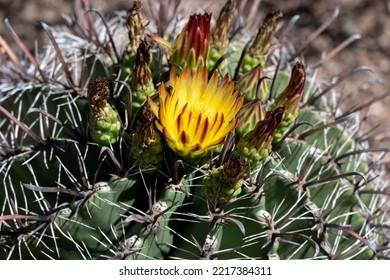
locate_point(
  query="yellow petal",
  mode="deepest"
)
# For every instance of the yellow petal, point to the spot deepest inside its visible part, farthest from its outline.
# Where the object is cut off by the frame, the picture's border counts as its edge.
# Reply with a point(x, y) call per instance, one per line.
point(196, 114)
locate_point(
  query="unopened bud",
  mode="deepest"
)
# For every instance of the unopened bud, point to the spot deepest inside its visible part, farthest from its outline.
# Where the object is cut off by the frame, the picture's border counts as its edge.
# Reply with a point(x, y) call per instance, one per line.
point(256, 144)
point(224, 183)
point(142, 82)
point(258, 51)
point(192, 45)
point(136, 23)
point(263, 41)
point(253, 84)
point(250, 114)
point(220, 32)
point(104, 125)
point(146, 146)
point(290, 98)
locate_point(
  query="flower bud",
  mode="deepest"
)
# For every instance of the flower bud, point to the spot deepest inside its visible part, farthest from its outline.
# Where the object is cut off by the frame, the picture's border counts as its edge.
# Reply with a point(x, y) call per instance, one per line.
point(104, 125)
point(258, 51)
point(220, 33)
point(262, 43)
point(256, 144)
point(253, 84)
point(290, 98)
point(146, 146)
point(192, 45)
point(224, 183)
point(291, 95)
point(142, 82)
point(250, 114)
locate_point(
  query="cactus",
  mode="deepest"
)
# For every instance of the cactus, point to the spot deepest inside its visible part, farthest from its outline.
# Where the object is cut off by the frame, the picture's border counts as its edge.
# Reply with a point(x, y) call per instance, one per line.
point(105, 158)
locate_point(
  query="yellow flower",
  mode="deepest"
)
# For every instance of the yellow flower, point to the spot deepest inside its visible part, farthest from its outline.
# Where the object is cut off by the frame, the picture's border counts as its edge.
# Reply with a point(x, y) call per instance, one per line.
point(196, 114)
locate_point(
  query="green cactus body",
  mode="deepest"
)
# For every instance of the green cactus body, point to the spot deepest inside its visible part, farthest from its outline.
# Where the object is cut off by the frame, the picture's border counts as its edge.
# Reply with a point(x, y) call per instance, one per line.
point(180, 179)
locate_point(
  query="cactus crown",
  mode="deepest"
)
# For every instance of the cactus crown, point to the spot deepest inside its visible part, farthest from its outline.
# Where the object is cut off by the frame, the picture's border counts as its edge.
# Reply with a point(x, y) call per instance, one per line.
point(156, 153)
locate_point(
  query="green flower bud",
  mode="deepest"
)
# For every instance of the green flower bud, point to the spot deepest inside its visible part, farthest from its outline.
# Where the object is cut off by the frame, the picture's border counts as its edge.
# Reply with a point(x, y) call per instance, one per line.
point(256, 144)
point(250, 114)
point(290, 98)
point(146, 147)
point(224, 183)
point(253, 84)
point(104, 125)
point(142, 82)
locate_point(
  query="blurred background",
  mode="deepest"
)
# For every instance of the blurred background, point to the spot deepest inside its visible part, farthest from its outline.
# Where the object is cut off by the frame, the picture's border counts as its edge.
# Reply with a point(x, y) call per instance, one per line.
point(369, 18)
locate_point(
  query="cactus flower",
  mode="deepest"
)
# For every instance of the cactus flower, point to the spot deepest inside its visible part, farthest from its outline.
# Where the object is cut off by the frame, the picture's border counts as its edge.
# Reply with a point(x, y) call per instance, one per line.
point(196, 114)
point(192, 45)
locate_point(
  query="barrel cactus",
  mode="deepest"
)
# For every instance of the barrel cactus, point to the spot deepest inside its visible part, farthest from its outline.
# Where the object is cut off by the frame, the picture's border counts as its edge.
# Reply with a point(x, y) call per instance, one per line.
point(124, 139)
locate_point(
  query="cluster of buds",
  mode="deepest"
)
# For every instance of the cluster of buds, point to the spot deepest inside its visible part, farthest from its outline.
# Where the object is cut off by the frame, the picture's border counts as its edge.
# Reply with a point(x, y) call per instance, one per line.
point(197, 111)
point(104, 125)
